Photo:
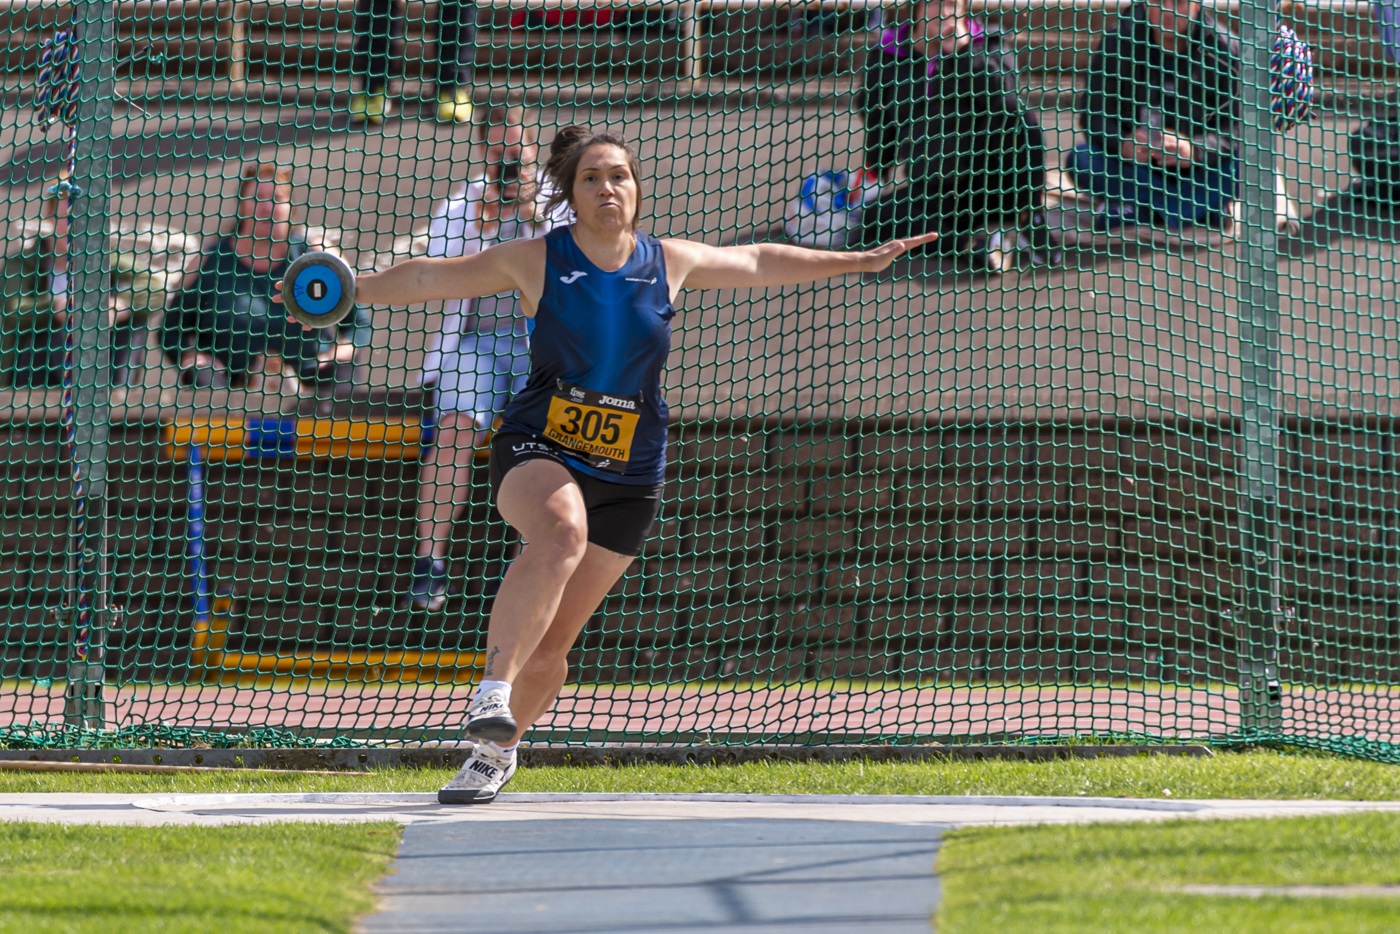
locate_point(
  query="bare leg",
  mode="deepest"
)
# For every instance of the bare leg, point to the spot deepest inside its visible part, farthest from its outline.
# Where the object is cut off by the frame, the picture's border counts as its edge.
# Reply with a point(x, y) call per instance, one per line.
point(543, 503)
point(443, 485)
point(535, 689)
point(547, 597)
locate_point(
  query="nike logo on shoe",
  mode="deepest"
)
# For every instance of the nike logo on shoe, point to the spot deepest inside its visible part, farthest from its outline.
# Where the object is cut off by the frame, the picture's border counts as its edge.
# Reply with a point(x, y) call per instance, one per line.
point(572, 277)
point(651, 281)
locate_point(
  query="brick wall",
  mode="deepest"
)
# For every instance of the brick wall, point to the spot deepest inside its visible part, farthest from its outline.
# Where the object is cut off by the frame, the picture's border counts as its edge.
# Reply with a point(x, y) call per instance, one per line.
point(845, 550)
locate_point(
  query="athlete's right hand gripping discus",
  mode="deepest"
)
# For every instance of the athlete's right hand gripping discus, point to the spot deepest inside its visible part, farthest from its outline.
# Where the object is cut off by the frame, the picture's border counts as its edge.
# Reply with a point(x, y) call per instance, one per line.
point(319, 289)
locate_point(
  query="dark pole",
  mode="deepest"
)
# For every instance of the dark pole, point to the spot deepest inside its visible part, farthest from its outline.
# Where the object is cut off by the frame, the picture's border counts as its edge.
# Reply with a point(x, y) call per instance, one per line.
point(1257, 627)
point(87, 380)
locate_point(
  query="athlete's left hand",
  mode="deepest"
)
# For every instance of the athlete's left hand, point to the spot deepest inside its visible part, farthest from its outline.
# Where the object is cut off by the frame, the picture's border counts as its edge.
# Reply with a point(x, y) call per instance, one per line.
point(886, 253)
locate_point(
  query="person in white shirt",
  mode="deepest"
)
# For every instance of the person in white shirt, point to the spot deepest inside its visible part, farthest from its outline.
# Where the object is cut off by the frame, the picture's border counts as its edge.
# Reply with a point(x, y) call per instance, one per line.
point(481, 354)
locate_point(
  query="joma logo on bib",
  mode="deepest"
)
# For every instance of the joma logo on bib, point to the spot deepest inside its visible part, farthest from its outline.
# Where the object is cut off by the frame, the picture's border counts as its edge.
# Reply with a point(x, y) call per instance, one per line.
point(593, 426)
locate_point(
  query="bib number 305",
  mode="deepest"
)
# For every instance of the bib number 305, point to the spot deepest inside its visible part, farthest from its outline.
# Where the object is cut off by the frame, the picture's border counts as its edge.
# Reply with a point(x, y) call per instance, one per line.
point(595, 426)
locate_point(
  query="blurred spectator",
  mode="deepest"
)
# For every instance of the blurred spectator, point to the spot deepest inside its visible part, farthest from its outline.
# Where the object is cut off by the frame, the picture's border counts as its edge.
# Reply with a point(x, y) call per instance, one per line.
point(940, 97)
point(379, 39)
point(1161, 114)
point(146, 262)
point(149, 261)
point(36, 298)
point(481, 355)
point(223, 328)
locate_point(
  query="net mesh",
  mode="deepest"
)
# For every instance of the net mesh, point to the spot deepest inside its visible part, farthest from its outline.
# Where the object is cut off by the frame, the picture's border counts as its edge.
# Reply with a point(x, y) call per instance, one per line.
point(1115, 461)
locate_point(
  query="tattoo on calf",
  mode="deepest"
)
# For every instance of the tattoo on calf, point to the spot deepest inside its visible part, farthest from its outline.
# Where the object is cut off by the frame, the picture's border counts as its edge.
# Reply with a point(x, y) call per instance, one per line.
point(490, 660)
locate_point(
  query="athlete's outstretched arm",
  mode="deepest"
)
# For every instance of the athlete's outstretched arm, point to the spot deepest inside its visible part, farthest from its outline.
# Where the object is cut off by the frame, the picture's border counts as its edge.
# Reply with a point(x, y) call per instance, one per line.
point(430, 279)
point(501, 268)
point(761, 264)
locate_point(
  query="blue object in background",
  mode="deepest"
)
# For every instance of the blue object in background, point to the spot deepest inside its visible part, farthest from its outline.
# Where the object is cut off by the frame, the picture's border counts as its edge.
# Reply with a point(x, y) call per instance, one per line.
point(1387, 13)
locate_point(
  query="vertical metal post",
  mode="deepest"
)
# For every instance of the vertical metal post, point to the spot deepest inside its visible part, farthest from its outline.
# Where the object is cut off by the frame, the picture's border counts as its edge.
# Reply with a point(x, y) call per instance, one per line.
point(194, 539)
point(692, 51)
point(1257, 629)
point(87, 391)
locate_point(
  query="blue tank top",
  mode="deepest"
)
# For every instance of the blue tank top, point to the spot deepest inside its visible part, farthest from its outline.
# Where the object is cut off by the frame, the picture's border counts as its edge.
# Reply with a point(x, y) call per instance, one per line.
point(600, 343)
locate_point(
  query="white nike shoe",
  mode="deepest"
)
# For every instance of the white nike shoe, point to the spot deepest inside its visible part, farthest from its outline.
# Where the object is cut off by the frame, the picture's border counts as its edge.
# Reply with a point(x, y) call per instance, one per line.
point(489, 718)
point(480, 778)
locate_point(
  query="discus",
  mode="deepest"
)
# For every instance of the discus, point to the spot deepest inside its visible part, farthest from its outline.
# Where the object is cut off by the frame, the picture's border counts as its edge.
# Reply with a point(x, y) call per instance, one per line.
point(319, 289)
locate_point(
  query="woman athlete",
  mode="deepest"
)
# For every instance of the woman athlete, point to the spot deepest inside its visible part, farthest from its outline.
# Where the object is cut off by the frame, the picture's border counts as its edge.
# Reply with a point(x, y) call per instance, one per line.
point(577, 464)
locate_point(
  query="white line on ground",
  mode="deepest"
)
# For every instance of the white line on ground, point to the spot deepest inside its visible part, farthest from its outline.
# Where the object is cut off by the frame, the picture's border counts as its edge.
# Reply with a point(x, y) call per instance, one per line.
point(1293, 891)
point(954, 811)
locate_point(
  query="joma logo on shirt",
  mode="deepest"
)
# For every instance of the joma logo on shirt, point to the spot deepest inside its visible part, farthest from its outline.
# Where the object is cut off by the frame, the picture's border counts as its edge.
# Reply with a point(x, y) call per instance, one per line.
point(572, 277)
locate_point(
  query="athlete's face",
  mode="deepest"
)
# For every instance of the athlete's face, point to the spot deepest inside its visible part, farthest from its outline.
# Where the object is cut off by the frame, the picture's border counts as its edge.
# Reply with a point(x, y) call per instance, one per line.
point(605, 193)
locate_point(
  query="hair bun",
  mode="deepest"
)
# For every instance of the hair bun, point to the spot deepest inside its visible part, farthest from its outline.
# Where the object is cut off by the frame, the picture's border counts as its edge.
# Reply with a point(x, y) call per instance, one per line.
point(567, 138)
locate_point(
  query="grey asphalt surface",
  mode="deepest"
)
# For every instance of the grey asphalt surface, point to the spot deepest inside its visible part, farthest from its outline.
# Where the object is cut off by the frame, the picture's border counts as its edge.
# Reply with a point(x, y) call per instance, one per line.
point(571, 875)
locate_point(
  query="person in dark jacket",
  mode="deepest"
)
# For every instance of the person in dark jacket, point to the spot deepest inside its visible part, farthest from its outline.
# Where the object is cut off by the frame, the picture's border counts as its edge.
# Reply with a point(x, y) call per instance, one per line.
point(1161, 116)
point(226, 314)
point(940, 97)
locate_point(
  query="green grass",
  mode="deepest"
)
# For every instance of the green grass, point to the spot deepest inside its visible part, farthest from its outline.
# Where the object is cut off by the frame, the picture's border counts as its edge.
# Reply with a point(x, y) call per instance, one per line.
point(1071, 879)
point(267, 877)
point(1049, 879)
point(1259, 774)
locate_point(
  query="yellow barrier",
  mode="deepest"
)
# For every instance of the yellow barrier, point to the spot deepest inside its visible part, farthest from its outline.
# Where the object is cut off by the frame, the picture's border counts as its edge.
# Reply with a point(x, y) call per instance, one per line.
point(234, 438)
point(225, 438)
point(400, 666)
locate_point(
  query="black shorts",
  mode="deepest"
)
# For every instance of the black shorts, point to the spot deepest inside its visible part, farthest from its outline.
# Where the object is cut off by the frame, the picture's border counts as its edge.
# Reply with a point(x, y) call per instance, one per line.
point(620, 515)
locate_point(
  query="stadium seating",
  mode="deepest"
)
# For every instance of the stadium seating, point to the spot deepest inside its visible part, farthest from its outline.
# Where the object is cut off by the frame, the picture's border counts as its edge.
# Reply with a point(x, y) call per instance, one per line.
point(308, 42)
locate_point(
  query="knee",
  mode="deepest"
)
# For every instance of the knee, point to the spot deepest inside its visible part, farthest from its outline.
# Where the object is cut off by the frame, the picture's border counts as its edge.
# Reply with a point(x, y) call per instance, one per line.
point(564, 538)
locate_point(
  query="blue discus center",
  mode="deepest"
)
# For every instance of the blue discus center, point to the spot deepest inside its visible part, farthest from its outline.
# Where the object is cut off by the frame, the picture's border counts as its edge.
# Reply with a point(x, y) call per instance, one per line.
point(318, 290)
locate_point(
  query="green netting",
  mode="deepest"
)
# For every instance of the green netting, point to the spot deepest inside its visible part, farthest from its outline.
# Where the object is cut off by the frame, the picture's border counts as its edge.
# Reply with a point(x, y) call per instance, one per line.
point(1104, 466)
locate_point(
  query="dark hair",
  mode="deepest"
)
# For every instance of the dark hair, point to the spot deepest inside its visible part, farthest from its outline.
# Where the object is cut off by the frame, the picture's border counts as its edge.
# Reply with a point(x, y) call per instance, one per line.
point(567, 151)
